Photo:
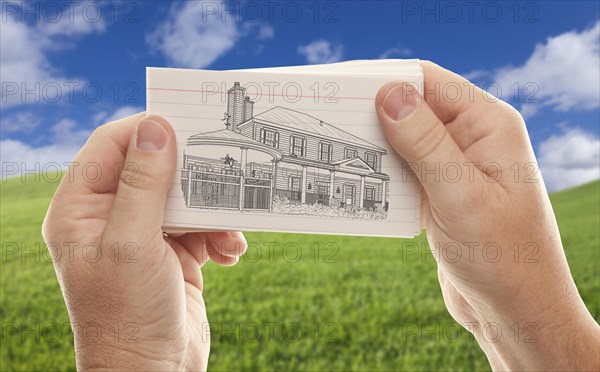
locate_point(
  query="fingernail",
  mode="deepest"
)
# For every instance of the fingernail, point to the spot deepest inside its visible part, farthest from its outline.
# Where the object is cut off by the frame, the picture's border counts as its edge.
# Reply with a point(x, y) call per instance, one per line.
point(400, 102)
point(151, 136)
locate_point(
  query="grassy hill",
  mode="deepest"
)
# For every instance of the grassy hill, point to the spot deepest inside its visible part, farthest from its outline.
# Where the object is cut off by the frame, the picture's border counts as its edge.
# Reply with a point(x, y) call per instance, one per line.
point(294, 302)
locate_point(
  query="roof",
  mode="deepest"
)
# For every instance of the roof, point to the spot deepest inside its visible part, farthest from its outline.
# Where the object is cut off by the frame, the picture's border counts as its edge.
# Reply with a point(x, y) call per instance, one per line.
point(299, 121)
point(222, 134)
point(226, 137)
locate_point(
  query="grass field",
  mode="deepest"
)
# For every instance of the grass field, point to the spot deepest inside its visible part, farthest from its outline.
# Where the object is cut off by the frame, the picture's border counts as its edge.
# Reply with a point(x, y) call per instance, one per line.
point(294, 302)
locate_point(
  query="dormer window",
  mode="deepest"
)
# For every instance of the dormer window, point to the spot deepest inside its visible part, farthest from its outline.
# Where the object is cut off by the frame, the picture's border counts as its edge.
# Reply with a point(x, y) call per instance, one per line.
point(350, 153)
point(325, 152)
point(371, 160)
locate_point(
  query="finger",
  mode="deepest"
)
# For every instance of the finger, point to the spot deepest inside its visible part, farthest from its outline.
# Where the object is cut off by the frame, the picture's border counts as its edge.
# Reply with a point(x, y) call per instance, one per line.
point(449, 94)
point(199, 245)
point(418, 135)
point(147, 175)
point(93, 169)
point(459, 104)
point(195, 243)
point(228, 243)
point(189, 265)
point(219, 258)
point(92, 176)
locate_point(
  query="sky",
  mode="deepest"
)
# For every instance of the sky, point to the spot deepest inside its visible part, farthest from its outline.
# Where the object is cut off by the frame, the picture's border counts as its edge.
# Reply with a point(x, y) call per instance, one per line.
point(67, 67)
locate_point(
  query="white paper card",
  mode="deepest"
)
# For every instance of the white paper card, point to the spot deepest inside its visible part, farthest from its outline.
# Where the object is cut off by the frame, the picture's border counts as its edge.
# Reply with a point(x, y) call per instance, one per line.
point(286, 149)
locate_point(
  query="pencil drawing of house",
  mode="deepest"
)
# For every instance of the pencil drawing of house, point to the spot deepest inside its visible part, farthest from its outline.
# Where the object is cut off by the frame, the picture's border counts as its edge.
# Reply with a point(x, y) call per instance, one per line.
point(283, 161)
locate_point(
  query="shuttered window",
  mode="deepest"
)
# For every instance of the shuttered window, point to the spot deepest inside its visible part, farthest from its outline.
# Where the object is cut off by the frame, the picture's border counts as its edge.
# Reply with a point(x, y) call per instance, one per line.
point(350, 153)
point(325, 152)
point(371, 159)
point(269, 137)
point(370, 193)
point(294, 183)
point(298, 146)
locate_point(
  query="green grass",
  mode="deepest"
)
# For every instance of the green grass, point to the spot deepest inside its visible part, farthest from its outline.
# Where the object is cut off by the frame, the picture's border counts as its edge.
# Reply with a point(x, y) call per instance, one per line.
point(347, 304)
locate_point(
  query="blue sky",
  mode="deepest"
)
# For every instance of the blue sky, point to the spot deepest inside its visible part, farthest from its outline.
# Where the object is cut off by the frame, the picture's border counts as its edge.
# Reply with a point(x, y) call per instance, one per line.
point(549, 48)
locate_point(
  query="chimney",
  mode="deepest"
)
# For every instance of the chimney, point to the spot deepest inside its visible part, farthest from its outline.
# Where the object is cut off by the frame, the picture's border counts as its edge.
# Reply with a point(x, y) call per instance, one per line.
point(248, 108)
point(235, 106)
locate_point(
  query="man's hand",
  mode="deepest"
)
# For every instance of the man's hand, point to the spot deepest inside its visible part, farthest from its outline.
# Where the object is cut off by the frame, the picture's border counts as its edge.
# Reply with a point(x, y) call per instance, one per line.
point(134, 296)
point(489, 222)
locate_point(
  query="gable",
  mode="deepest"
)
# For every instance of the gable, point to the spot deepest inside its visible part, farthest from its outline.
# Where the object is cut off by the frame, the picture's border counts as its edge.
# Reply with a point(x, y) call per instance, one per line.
point(355, 165)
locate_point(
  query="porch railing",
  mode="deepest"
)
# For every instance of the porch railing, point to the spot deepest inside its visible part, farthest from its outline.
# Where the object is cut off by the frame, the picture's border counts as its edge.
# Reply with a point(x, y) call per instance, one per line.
point(294, 196)
point(370, 204)
point(218, 190)
point(313, 197)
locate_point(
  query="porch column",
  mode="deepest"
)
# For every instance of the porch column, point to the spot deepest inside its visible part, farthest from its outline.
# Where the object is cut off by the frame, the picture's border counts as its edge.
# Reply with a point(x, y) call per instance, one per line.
point(188, 199)
point(331, 183)
point(361, 201)
point(303, 186)
point(383, 192)
point(243, 158)
point(273, 184)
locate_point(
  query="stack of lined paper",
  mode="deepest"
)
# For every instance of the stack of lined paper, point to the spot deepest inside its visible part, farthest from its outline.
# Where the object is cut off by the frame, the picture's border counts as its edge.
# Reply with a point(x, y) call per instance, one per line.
point(290, 149)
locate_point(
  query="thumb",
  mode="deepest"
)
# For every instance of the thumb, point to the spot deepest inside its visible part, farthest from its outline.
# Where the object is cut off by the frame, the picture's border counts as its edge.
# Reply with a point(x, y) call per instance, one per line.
point(418, 135)
point(138, 209)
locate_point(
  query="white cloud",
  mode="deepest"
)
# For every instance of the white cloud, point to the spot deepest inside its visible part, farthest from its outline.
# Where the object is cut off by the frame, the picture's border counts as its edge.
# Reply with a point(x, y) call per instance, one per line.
point(80, 19)
point(564, 69)
point(266, 32)
point(103, 117)
point(24, 49)
point(65, 141)
point(64, 133)
point(321, 51)
point(476, 74)
point(194, 37)
point(396, 52)
point(123, 112)
point(21, 122)
point(22, 59)
point(569, 159)
point(529, 109)
point(18, 156)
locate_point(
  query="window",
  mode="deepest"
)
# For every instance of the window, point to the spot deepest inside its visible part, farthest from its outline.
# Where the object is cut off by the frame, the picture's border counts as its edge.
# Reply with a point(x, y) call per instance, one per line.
point(298, 146)
point(371, 160)
point(325, 152)
point(294, 183)
point(370, 193)
point(350, 153)
point(323, 188)
point(269, 137)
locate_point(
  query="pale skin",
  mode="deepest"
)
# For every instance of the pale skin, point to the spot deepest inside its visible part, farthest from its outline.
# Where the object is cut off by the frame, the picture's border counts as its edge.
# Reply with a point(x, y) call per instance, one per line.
point(160, 295)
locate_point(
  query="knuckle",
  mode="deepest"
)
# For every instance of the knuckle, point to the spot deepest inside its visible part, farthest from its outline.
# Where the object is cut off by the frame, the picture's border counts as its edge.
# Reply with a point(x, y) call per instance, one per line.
point(511, 117)
point(426, 142)
point(101, 131)
point(140, 178)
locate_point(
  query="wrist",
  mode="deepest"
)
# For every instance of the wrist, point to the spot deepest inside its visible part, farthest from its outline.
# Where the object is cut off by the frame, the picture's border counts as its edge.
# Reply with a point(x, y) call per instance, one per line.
point(105, 358)
point(547, 328)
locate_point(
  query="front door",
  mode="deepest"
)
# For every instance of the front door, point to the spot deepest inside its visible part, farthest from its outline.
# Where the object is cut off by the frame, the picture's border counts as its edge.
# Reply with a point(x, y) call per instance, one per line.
point(349, 194)
point(257, 197)
point(323, 192)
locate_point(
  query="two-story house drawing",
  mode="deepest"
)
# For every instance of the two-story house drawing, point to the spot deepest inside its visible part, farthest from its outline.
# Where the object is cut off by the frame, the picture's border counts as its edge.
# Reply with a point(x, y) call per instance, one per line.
point(282, 161)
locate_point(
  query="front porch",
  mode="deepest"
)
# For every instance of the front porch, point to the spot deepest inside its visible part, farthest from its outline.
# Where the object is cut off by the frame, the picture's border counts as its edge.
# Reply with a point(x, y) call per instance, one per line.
point(349, 184)
point(206, 183)
point(232, 181)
